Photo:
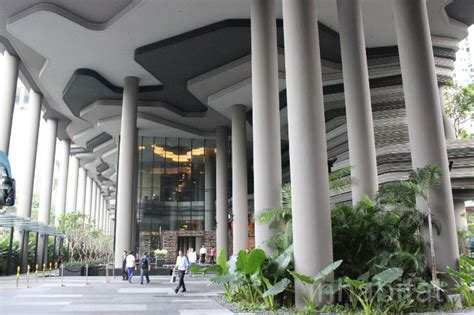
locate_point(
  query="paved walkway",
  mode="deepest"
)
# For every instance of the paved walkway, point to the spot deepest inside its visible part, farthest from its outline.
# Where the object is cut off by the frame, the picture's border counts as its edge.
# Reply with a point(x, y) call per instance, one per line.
point(117, 296)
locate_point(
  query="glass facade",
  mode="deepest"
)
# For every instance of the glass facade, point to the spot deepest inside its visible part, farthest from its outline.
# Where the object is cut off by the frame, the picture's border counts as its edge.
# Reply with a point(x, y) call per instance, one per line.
point(171, 187)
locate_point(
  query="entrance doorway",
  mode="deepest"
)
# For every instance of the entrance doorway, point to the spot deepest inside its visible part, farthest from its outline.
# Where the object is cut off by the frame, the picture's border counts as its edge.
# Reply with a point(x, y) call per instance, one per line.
point(187, 242)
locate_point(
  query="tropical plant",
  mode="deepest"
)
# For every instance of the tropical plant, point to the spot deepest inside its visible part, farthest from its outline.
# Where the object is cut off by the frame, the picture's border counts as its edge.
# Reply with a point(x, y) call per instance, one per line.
point(312, 285)
point(161, 253)
point(404, 193)
point(460, 107)
point(83, 240)
point(281, 218)
point(361, 290)
point(464, 280)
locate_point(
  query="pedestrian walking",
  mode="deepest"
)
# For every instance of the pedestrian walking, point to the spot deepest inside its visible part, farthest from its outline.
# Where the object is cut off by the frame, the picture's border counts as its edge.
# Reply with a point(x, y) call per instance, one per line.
point(213, 255)
point(124, 266)
point(192, 258)
point(182, 264)
point(202, 254)
point(144, 267)
point(130, 263)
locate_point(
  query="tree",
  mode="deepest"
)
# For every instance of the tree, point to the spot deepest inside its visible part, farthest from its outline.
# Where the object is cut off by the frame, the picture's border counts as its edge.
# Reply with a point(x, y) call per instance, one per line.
point(420, 183)
point(460, 107)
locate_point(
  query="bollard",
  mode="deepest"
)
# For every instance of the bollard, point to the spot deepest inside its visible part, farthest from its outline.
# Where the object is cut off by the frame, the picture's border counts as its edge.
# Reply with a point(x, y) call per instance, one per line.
point(27, 276)
point(50, 265)
point(56, 270)
point(17, 276)
point(113, 271)
point(44, 270)
point(87, 273)
point(36, 273)
point(106, 273)
point(62, 275)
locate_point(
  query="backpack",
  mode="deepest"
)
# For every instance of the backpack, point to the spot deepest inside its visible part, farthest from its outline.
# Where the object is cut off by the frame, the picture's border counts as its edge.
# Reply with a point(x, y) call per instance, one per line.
point(144, 263)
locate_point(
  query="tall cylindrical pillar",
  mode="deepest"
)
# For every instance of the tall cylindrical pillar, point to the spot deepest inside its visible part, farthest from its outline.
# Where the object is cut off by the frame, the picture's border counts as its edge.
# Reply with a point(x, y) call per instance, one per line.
point(93, 201)
point(9, 78)
point(98, 203)
point(26, 180)
point(64, 148)
point(425, 124)
point(126, 169)
point(47, 172)
point(460, 215)
point(210, 189)
point(307, 140)
point(88, 198)
point(81, 190)
point(265, 115)
point(222, 221)
point(239, 179)
point(360, 126)
point(72, 184)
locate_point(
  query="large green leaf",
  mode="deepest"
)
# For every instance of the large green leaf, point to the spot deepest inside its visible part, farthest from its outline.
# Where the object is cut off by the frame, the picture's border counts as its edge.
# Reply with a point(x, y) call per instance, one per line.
point(277, 288)
point(461, 275)
point(356, 283)
point(302, 278)
point(364, 276)
point(284, 259)
point(254, 261)
point(242, 257)
point(387, 276)
point(327, 271)
point(334, 287)
point(222, 260)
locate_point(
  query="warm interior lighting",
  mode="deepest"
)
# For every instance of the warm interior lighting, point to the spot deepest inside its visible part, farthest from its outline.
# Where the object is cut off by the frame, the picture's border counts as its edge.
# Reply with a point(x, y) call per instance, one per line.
point(177, 157)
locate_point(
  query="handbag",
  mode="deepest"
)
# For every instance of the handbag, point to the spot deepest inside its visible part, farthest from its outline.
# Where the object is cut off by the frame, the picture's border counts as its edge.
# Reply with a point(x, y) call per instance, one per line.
point(173, 277)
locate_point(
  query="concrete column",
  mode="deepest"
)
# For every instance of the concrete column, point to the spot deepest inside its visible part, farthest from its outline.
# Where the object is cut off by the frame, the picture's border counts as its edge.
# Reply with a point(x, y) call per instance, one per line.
point(9, 78)
point(99, 216)
point(47, 172)
point(125, 196)
point(462, 226)
point(99, 202)
point(81, 190)
point(199, 243)
point(239, 179)
point(222, 156)
point(64, 148)
point(93, 201)
point(102, 217)
point(210, 190)
point(88, 198)
point(460, 215)
point(307, 137)
point(72, 183)
point(25, 182)
point(425, 124)
point(360, 126)
point(265, 115)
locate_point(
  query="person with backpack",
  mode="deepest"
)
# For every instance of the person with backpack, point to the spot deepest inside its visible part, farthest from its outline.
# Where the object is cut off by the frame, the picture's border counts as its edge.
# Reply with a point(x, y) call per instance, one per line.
point(144, 267)
point(182, 264)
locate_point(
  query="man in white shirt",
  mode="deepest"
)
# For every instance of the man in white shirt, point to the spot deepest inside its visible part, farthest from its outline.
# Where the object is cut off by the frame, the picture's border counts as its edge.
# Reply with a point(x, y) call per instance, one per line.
point(192, 257)
point(181, 266)
point(130, 263)
point(203, 253)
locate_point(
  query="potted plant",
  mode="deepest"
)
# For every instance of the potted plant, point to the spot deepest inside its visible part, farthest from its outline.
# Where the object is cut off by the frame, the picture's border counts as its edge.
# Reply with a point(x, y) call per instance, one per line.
point(160, 255)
